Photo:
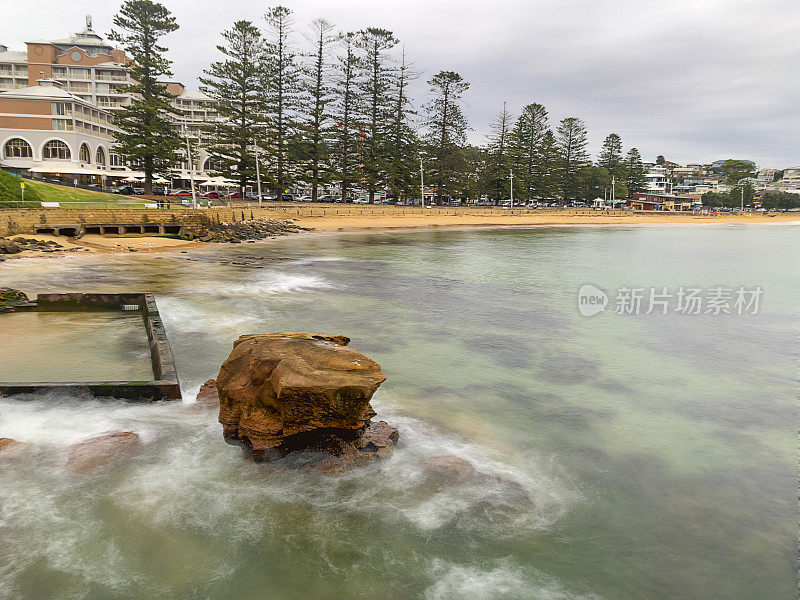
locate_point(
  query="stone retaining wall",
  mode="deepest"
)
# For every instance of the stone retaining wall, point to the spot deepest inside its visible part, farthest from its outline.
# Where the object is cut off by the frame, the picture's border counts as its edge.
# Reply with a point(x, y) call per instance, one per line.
point(25, 221)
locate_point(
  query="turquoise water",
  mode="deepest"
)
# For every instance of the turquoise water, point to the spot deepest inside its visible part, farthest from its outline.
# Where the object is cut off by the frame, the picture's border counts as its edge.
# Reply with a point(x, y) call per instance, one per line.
point(659, 450)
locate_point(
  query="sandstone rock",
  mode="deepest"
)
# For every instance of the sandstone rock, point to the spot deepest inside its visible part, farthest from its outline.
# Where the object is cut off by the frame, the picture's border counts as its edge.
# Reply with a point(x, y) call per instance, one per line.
point(9, 247)
point(288, 392)
point(10, 447)
point(208, 396)
point(99, 451)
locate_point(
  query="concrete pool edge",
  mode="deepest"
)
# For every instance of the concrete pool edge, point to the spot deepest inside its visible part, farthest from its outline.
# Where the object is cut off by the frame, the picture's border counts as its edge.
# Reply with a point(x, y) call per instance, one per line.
point(163, 386)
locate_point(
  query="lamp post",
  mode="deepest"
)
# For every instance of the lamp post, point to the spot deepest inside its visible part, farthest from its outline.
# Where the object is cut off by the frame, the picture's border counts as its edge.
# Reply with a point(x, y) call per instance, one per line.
point(258, 172)
point(511, 176)
point(421, 185)
point(190, 164)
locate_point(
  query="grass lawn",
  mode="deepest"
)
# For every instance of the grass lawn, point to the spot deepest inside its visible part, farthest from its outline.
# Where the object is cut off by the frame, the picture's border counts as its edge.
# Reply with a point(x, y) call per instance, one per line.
point(71, 197)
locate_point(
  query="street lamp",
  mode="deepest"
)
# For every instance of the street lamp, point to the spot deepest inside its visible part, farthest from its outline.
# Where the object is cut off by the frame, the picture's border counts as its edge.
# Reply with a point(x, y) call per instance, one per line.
point(190, 164)
point(258, 172)
point(421, 184)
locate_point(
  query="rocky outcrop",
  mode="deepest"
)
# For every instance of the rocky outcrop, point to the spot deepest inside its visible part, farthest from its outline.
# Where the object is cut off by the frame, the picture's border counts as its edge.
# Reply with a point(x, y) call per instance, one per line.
point(89, 455)
point(208, 395)
point(288, 392)
point(10, 298)
point(246, 230)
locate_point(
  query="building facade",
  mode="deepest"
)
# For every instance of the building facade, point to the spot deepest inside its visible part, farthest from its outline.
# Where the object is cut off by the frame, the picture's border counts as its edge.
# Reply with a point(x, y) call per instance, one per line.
point(84, 77)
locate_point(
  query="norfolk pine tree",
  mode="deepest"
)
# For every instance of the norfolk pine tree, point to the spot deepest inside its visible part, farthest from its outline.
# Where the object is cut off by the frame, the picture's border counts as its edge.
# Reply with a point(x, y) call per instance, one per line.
point(446, 131)
point(316, 96)
point(281, 88)
point(498, 160)
point(345, 109)
point(147, 137)
point(635, 179)
point(375, 85)
point(571, 138)
point(235, 84)
point(526, 146)
point(403, 162)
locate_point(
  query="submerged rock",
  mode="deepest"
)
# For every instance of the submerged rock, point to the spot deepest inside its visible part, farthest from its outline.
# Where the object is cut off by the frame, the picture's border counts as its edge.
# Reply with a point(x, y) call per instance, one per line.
point(99, 451)
point(450, 470)
point(449, 467)
point(288, 392)
point(11, 447)
point(208, 396)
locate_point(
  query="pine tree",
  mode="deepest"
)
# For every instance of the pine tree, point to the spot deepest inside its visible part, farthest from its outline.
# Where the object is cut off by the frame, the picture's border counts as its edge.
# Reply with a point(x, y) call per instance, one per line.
point(235, 83)
point(611, 155)
point(316, 118)
point(345, 108)
point(282, 89)
point(526, 144)
point(548, 164)
point(446, 131)
point(375, 85)
point(498, 161)
point(147, 136)
point(403, 152)
point(635, 179)
point(571, 137)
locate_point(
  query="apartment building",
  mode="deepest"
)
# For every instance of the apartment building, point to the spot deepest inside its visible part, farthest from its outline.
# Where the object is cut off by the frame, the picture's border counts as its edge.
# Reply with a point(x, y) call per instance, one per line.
point(85, 72)
point(48, 132)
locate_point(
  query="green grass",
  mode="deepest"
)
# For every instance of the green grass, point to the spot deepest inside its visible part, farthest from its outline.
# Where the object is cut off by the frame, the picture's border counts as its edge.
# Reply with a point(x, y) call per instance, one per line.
point(67, 197)
point(49, 192)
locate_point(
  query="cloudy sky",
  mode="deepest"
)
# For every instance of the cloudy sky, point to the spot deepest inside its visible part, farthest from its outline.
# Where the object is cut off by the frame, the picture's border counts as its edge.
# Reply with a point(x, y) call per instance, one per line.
point(695, 80)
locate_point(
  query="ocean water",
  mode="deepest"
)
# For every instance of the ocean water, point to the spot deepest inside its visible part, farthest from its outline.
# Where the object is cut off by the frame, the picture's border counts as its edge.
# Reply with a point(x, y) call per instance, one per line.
point(659, 451)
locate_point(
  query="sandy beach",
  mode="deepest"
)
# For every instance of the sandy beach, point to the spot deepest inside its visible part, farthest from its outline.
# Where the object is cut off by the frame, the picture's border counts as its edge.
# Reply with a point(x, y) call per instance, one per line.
point(389, 220)
point(377, 218)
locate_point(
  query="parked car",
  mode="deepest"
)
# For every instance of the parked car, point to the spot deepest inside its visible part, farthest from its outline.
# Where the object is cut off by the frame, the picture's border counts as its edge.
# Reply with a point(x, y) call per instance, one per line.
point(234, 196)
point(127, 190)
point(210, 195)
point(361, 201)
point(304, 199)
point(287, 198)
point(180, 193)
point(327, 198)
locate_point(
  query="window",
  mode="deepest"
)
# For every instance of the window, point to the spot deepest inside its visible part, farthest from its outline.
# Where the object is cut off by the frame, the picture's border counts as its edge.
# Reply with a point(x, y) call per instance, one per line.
point(18, 148)
point(58, 108)
point(56, 150)
point(100, 159)
point(62, 125)
point(84, 156)
point(79, 74)
point(102, 88)
point(59, 72)
point(115, 159)
point(211, 165)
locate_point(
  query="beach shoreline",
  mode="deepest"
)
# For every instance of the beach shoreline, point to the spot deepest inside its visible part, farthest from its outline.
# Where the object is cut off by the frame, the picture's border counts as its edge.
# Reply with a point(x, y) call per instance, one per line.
point(401, 223)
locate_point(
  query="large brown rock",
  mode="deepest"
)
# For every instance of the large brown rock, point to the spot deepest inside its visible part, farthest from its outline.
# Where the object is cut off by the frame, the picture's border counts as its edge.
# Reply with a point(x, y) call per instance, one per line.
point(99, 451)
point(283, 392)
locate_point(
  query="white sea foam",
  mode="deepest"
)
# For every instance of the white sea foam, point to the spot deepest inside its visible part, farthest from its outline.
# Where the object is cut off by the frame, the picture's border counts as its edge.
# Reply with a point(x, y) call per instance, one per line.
point(504, 581)
point(264, 283)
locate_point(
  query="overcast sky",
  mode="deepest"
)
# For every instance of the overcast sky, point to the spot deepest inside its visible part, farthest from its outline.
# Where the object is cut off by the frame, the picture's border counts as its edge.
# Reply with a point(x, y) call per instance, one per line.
point(694, 80)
